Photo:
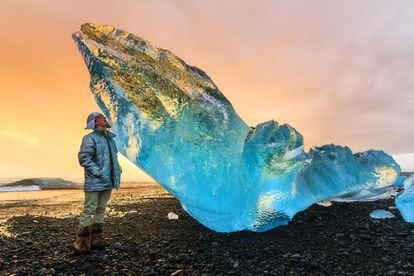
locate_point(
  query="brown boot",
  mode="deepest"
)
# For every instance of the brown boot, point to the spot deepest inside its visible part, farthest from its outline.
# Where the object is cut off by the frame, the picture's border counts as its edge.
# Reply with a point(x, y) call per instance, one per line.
point(83, 240)
point(97, 239)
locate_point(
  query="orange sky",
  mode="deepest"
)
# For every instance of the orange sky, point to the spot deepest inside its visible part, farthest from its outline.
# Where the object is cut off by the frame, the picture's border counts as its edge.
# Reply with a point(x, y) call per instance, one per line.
point(338, 72)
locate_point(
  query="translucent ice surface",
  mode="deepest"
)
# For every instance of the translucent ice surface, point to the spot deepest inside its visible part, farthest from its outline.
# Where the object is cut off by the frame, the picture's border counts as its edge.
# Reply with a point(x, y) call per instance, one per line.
point(405, 201)
point(173, 122)
point(381, 214)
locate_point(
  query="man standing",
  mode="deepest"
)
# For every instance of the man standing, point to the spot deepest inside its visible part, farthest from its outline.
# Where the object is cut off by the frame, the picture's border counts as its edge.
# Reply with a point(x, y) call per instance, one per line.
point(98, 157)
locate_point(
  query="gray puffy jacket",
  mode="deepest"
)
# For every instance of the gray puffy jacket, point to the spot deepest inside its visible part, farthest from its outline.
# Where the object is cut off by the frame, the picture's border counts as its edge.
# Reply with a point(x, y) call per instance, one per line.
point(94, 157)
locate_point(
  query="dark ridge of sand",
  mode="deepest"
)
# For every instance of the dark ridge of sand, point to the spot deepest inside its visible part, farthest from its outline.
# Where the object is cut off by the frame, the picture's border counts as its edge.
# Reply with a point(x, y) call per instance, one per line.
point(338, 240)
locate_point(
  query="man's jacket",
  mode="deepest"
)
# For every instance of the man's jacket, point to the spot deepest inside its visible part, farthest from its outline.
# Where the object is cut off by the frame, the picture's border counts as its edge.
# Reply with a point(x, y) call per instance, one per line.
point(95, 157)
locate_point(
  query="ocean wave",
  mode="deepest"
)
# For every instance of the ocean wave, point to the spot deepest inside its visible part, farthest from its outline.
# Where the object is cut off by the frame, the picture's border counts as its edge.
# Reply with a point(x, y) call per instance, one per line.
point(18, 188)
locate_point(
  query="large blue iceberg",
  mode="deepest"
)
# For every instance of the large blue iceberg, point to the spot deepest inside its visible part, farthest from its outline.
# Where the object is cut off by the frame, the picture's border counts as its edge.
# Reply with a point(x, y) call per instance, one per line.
point(172, 121)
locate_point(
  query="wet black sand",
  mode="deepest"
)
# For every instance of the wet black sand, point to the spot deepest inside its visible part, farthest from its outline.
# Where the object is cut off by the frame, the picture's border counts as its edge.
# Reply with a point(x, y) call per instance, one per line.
point(339, 240)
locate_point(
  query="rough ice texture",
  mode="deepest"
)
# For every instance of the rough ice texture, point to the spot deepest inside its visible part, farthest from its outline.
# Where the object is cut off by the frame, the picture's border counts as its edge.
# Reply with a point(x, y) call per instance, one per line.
point(174, 123)
point(405, 201)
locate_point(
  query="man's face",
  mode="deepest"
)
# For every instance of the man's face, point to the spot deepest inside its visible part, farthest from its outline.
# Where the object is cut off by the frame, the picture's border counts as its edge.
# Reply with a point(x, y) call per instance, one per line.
point(101, 122)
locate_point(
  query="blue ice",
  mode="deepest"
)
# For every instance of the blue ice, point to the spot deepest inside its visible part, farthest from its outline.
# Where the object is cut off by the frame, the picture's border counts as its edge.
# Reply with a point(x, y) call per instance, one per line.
point(173, 122)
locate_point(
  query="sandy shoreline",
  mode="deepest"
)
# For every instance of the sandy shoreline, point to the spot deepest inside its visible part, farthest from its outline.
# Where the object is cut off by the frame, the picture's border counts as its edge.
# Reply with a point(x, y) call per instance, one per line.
point(60, 195)
point(65, 202)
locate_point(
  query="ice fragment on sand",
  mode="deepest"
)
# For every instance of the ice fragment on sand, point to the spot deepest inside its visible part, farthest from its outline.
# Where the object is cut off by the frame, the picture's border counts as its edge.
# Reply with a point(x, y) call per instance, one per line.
point(172, 215)
point(381, 214)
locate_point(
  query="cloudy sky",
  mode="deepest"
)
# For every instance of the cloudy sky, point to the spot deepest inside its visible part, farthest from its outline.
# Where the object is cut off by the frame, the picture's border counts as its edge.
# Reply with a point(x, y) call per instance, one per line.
point(340, 72)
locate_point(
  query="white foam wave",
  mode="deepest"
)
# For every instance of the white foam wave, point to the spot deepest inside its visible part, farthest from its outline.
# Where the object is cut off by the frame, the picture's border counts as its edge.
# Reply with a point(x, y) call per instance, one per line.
point(20, 188)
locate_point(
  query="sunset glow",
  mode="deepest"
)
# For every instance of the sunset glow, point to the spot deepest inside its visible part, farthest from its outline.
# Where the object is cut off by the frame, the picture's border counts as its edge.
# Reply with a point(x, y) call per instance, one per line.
point(339, 72)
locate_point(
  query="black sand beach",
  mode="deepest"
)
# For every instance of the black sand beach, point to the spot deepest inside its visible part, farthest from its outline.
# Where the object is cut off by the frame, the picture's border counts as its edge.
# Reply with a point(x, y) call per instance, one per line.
point(37, 237)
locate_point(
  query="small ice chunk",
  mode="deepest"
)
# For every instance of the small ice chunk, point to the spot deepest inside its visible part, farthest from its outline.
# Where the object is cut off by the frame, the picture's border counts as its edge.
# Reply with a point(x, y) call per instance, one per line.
point(394, 191)
point(381, 214)
point(172, 215)
point(325, 203)
point(132, 212)
point(69, 216)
